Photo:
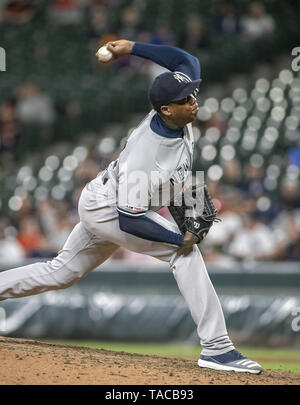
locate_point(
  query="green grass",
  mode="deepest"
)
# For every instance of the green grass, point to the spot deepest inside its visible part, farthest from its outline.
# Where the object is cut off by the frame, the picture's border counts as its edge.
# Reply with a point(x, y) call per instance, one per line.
point(274, 359)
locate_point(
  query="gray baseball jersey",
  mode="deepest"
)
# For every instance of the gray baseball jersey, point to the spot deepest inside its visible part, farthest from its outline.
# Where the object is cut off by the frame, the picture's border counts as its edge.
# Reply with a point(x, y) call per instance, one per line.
point(149, 171)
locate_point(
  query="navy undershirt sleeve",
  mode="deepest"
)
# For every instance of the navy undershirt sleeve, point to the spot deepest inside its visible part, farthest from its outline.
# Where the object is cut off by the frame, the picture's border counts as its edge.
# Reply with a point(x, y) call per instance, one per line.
point(170, 57)
point(174, 59)
point(145, 228)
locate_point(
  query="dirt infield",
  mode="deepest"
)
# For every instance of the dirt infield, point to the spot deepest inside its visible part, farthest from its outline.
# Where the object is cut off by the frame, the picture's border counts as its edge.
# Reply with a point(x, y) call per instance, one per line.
point(29, 362)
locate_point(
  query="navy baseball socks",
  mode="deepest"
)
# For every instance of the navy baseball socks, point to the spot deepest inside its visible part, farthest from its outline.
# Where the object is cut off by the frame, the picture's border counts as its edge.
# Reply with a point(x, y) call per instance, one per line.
point(230, 361)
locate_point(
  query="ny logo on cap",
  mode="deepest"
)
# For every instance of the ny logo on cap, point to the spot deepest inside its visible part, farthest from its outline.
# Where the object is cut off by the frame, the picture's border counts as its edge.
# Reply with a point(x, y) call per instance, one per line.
point(181, 77)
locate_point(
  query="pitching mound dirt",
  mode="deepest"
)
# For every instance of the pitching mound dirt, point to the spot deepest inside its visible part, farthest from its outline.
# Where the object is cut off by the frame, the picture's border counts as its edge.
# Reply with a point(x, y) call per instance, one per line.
point(29, 362)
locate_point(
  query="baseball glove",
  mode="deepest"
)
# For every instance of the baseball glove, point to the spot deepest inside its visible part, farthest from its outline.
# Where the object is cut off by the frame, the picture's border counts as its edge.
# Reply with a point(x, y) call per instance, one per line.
point(187, 214)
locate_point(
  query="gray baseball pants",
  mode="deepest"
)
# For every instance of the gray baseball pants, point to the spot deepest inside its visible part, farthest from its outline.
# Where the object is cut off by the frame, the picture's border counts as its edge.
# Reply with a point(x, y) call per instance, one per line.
point(92, 242)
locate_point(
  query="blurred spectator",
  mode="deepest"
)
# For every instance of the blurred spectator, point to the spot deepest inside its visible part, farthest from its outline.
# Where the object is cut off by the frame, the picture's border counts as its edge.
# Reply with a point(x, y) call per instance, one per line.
point(9, 130)
point(231, 215)
point(217, 258)
point(27, 209)
point(130, 24)
point(56, 222)
point(18, 11)
point(66, 11)
point(255, 241)
point(150, 69)
point(33, 106)
point(216, 191)
point(195, 37)
point(253, 185)
point(286, 228)
point(257, 24)
point(289, 194)
point(10, 249)
point(130, 27)
point(292, 248)
point(228, 21)
point(232, 172)
point(87, 170)
point(98, 14)
point(162, 35)
point(32, 239)
point(215, 119)
point(98, 22)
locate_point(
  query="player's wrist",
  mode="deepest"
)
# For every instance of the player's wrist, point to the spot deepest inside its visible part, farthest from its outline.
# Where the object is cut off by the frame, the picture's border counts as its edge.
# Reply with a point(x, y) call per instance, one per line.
point(180, 239)
point(131, 46)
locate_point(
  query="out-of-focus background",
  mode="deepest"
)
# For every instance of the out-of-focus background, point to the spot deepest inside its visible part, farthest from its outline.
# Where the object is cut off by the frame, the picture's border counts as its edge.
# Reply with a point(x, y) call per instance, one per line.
point(63, 118)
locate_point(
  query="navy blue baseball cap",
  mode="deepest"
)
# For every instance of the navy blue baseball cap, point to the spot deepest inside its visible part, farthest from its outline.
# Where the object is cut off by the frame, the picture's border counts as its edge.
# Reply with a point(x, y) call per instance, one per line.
point(171, 86)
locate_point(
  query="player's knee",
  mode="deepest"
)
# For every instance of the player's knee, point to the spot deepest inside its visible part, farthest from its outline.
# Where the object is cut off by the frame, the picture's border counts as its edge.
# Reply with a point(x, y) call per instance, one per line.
point(66, 280)
point(62, 276)
point(62, 283)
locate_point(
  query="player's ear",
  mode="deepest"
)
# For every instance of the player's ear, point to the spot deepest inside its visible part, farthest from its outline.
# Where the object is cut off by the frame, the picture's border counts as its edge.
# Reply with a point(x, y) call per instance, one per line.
point(165, 109)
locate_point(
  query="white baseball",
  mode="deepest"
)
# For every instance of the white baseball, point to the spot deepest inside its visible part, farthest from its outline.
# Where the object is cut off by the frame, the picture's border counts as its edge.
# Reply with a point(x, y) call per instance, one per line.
point(103, 54)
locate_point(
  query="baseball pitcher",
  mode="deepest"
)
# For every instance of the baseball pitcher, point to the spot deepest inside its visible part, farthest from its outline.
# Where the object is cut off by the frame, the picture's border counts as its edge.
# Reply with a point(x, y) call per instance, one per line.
point(118, 208)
